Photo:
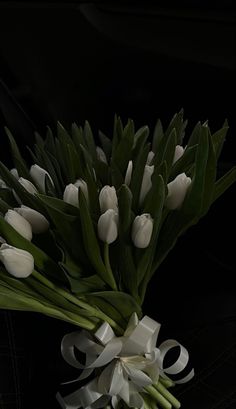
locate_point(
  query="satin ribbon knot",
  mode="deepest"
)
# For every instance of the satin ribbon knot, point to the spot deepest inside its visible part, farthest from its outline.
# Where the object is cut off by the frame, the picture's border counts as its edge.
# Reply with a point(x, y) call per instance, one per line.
point(130, 362)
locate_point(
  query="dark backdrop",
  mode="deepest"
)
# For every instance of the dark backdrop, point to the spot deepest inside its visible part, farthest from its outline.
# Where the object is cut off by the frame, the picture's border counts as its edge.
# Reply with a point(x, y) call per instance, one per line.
point(141, 61)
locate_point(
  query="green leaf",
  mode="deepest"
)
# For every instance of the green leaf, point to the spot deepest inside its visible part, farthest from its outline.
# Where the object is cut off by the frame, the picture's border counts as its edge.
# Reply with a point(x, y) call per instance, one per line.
point(224, 183)
point(125, 212)
point(195, 135)
point(22, 302)
point(179, 220)
point(116, 176)
point(116, 304)
point(184, 163)
point(66, 219)
point(157, 136)
point(89, 139)
point(17, 158)
point(58, 204)
point(179, 126)
point(141, 135)
point(77, 136)
point(218, 139)
point(49, 143)
point(139, 163)
point(169, 151)
point(19, 286)
point(154, 206)
point(90, 240)
point(122, 153)
point(85, 285)
point(106, 145)
point(117, 133)
point(102, 172)
point(8, 197)
point(210, 175)
point(4, 206)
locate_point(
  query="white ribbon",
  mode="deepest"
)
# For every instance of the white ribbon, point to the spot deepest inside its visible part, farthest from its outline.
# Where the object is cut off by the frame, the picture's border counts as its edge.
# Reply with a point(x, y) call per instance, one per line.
point(131, 363)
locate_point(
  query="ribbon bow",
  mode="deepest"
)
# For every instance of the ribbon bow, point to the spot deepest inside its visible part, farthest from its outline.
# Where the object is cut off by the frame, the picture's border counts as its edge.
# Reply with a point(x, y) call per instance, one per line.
point(132, 362)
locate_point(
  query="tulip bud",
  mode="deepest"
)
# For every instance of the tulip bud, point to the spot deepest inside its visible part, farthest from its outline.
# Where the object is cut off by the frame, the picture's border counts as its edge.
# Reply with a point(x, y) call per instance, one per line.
point(150, 157)
point(146, 182)
point(17, 262)
point(177, 190)
point(38, 174)
point(108, 226)
point(128, 173)
point(108, 198)
point(81, 184)
point(15, 173)
point(142, 230)
point(179, 150)
point(71, 195)
point(101, 154)
point(19, 223)
point(28, 185)
point(38, 222)
point(2, 184)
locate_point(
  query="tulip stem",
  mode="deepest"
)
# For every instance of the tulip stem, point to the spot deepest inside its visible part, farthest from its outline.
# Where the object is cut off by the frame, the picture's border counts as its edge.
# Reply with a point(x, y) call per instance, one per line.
point(158, 397)
point(95, 312)
point(108, 267)
point(162, 389)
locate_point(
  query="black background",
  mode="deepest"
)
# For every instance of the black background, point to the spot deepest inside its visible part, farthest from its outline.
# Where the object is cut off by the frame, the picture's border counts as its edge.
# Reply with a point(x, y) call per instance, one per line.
point(141, 61)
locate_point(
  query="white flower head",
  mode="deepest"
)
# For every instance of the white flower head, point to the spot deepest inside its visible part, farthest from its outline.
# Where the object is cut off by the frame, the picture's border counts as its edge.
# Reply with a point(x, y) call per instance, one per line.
point(71, 195)
point(108, 198)
point(146, 182)
point(27, 185)
point(19, 223)
point(38, 222)
point(101, 154)
point(129, 173)
point(179, 151)
point(2, 184)
point(108, 226)
point(177, 190)
point(150, 157)
point(15, 173)
point(81, 184)
point(142, 230)
point(38, 175)
point(19, 263)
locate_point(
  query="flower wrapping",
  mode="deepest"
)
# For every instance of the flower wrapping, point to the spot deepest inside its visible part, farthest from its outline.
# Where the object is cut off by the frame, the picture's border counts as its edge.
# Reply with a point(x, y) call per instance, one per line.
point(83, 230)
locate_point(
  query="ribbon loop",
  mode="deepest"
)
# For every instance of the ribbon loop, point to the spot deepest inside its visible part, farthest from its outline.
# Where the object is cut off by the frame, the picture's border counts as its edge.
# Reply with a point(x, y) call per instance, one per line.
point(130, 363)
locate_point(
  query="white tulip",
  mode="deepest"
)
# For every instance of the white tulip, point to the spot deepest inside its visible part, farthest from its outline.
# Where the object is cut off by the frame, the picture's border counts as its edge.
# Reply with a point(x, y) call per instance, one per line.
point(177, 190)
point(150, 157)
point(81, 184)
point(146, 182)
point(15, 173)
point(17, 262)
point(37, 220)
point(38, 174)
point(101, 154)
point(142, 230)
point(2, 184)
point(19, 223)
point(129, 173)
point(179, 151)
point(28, 185)
point(108, 199)
point(108, 226)
point(71, 195)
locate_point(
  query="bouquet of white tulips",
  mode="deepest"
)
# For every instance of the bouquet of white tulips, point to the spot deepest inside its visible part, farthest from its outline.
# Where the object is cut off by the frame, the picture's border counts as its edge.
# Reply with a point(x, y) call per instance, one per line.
point(84, 229)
